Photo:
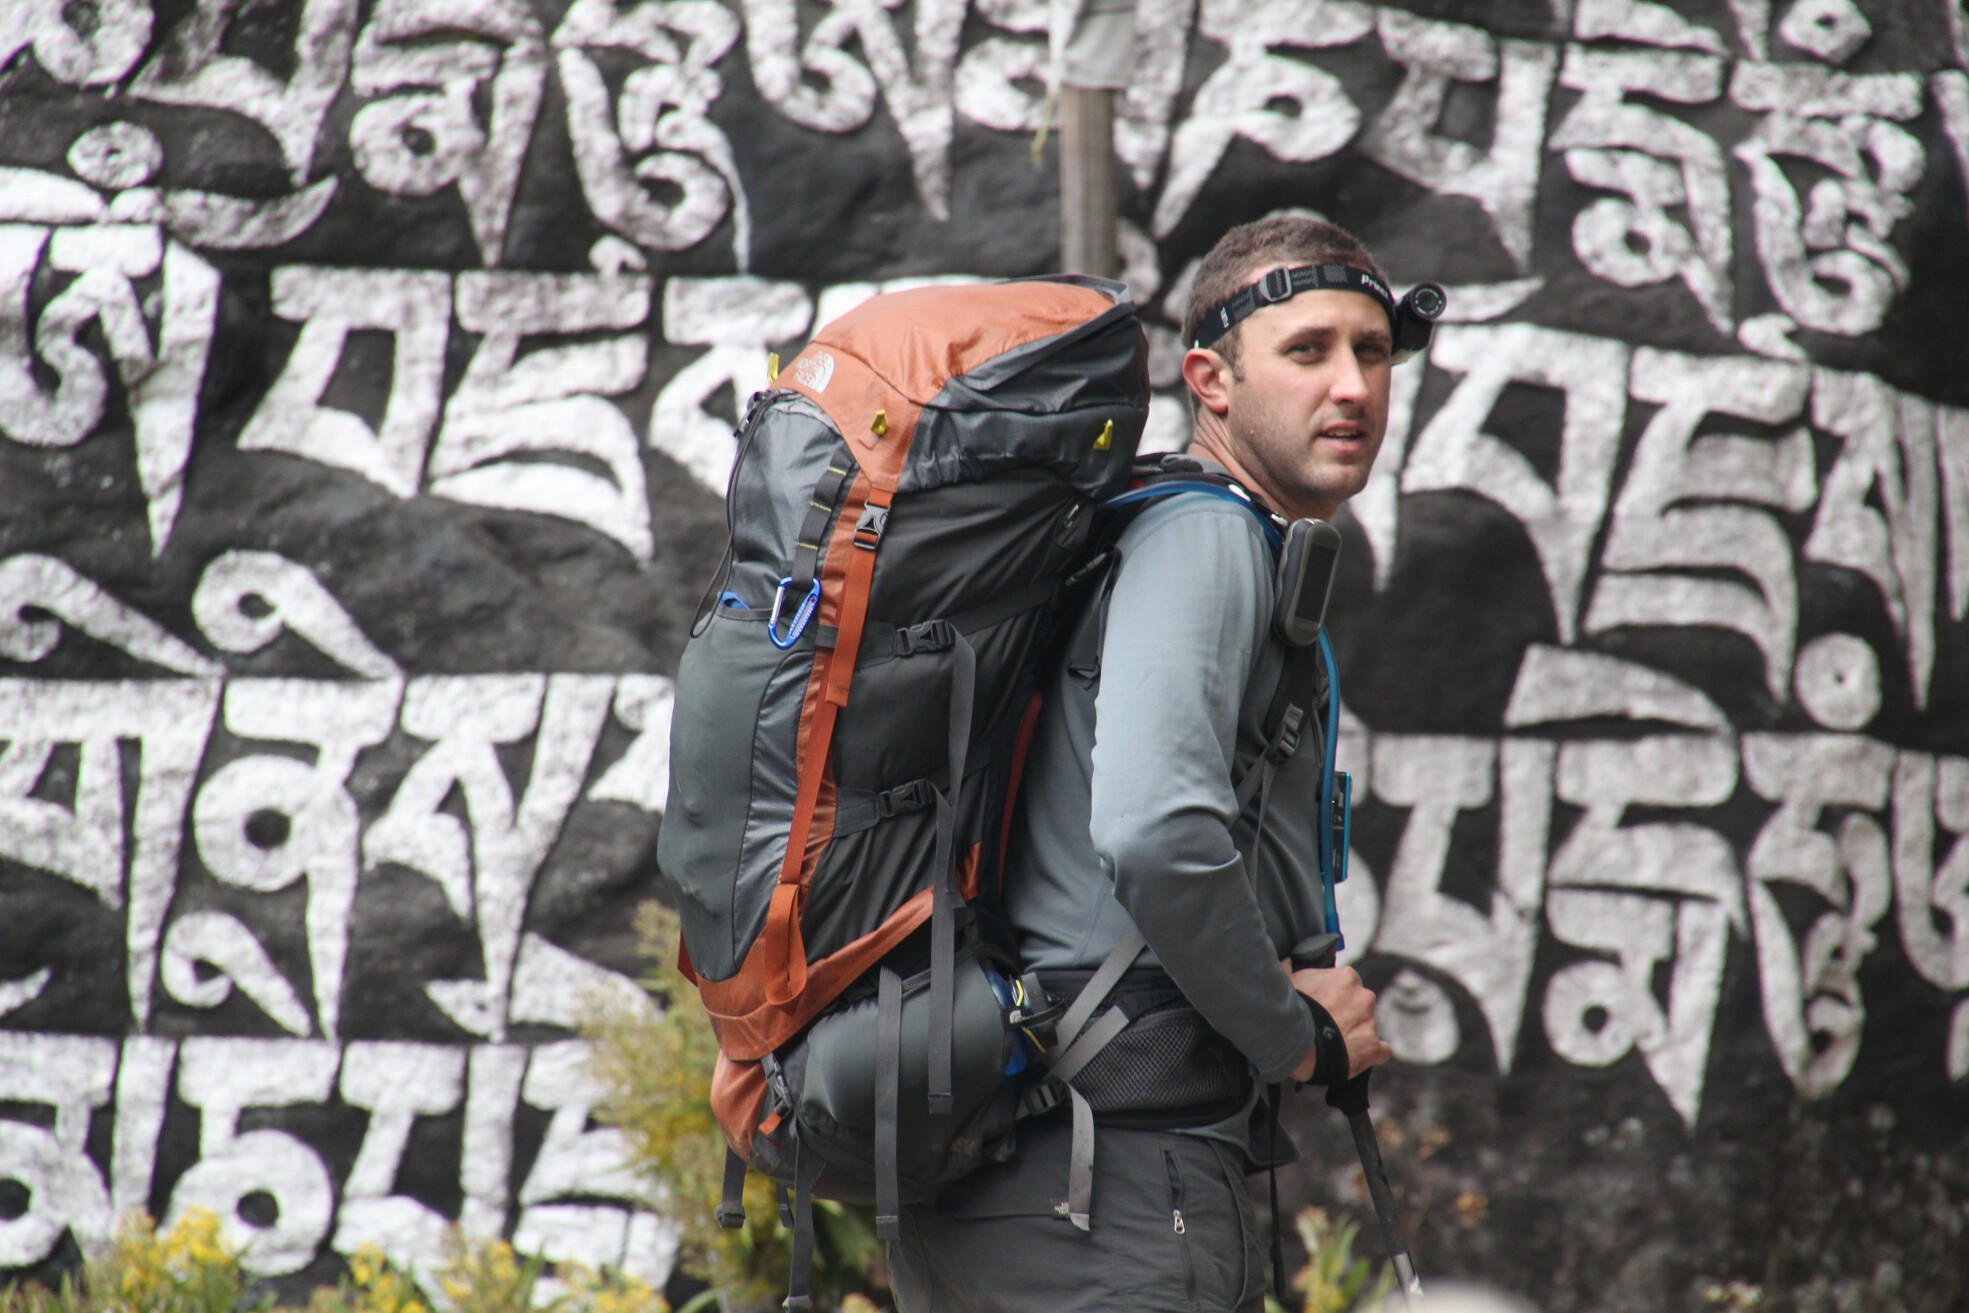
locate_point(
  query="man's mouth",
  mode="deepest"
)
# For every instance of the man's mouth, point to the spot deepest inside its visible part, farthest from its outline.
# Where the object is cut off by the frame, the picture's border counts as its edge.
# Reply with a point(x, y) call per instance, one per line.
point(1343, 433)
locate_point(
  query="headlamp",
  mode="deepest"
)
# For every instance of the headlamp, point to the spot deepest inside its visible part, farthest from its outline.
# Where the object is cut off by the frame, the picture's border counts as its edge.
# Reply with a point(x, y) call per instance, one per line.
point(1411, 321)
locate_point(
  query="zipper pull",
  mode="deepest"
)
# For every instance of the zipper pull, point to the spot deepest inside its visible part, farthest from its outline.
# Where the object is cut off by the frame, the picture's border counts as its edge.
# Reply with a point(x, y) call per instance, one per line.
point(1175, 1192)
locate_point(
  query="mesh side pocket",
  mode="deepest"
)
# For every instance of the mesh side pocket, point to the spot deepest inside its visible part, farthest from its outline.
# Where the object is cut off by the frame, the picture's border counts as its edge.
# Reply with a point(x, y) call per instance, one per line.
point(1165, 1061)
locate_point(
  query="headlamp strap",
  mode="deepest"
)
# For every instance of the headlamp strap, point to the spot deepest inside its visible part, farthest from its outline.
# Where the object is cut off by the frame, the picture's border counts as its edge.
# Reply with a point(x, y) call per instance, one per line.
point(1284, 284)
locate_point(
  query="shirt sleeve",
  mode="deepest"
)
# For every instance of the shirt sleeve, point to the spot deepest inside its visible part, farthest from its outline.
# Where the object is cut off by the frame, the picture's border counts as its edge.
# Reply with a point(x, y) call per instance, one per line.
point(1189, 610)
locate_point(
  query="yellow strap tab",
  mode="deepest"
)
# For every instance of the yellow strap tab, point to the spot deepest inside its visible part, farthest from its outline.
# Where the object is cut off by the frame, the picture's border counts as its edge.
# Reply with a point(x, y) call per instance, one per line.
point(1106, 440)
point(772, 367)
point(880, 424)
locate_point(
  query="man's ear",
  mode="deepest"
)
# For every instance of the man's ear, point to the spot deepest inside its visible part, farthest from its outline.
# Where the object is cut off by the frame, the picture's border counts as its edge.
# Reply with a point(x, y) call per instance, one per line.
point(1208, 376)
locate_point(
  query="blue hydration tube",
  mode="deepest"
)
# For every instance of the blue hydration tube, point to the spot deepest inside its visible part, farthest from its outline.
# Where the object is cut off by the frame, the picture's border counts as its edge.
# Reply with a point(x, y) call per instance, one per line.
point(1329, 865)
point(1170, 486)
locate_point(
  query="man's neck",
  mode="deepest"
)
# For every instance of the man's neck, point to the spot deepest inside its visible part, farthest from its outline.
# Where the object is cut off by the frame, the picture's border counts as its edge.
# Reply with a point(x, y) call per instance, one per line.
point(1210, 443)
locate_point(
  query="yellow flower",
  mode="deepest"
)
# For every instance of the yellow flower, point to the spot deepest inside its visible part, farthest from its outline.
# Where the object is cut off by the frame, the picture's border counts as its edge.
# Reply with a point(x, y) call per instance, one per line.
point(365, 1264)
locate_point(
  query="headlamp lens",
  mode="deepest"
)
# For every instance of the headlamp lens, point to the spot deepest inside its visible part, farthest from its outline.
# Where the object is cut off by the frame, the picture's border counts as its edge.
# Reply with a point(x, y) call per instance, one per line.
point(1426, 300)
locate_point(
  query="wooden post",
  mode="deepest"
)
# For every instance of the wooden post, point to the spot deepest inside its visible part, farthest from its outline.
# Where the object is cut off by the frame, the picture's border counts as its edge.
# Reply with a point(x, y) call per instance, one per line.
point(1089, 203)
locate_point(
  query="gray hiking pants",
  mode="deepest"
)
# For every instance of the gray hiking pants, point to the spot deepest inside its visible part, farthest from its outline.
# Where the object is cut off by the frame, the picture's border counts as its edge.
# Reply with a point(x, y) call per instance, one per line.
point(1173, 1229)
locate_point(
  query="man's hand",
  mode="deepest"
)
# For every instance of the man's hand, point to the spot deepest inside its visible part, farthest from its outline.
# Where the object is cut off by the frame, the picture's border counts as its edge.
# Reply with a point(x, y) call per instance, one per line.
point(1351, 1005)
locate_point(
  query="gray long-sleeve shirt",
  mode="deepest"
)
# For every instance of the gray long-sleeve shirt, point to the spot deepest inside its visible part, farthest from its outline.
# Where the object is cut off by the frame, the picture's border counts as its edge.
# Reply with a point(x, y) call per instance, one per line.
point(1129, 807)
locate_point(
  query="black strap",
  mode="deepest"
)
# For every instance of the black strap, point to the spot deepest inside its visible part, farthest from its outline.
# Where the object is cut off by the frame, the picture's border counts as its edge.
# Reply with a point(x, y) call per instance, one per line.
point(856, 810)
point(1286, 728)
point(731, 1208)
point(1084, 658)
point(888, 1094)
point(1284, 284)
point(784, 1204)
point(943, 905)
point(880, 642)
point(1280, 1288)
point(813, 530)
point(800, 1281)
point(1292, 713)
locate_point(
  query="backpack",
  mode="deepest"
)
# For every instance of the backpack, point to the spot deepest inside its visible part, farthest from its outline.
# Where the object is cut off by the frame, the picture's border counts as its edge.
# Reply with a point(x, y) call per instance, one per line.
point(909, 507)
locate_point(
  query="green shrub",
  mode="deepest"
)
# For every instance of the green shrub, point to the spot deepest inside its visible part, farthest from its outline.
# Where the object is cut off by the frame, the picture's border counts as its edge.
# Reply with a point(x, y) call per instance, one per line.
point(1334, 1280)
point(186, 1269)
point(189, 1268)
point(655, 1072)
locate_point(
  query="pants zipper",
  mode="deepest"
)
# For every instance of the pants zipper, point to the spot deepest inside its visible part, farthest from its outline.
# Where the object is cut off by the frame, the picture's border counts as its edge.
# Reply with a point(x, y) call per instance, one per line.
point(1179, 1226)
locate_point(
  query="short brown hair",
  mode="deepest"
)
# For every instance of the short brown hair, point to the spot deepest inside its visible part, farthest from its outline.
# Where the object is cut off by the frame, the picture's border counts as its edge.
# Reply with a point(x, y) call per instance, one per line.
point(1242, 253)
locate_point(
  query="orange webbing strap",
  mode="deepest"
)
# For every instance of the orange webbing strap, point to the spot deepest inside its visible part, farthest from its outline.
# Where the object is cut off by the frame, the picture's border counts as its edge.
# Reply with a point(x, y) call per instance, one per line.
point(854, 598)
point(781, 941)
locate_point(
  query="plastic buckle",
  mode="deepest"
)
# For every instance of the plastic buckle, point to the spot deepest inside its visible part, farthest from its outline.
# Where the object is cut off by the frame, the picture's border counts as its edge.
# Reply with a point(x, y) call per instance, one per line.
point(913, 796)
point(869, 527)
point(1276, 286)
point(803, 613)
point(776, 1086)
point(1042, 1098)
point(731, 1216)
point(1287, 742)
point(930, 636)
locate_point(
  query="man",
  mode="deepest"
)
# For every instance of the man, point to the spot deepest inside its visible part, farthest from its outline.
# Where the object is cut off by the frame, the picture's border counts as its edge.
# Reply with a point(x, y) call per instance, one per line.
point(1130, 821)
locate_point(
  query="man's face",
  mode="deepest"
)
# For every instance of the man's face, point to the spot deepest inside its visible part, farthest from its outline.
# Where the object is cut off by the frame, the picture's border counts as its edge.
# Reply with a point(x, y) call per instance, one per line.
point(1308, 404)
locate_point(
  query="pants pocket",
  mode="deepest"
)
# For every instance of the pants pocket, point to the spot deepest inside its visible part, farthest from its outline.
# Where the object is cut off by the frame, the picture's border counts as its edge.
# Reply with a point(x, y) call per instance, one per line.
point(1180, 1225)
point(1193, 1247)
point(1252, 1258)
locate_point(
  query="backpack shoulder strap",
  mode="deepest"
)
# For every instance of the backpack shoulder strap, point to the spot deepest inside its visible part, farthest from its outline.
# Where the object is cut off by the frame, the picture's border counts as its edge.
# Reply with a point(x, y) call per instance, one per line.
point(1152, 478)
point(1300, 696)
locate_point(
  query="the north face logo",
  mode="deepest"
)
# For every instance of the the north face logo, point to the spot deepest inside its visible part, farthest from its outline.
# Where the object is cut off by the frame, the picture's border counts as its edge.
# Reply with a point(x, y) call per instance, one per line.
point(814, 372)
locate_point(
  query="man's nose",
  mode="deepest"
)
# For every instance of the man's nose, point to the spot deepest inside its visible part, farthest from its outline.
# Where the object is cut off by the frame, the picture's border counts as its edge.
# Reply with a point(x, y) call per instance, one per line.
point(1349, 379)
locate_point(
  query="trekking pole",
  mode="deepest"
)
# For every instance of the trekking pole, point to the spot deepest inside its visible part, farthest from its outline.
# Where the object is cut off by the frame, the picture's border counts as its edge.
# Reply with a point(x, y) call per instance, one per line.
point(1350, 1097)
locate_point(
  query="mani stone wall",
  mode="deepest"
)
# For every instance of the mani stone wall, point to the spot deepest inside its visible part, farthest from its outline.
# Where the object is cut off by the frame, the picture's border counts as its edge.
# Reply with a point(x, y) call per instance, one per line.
point(367, 376)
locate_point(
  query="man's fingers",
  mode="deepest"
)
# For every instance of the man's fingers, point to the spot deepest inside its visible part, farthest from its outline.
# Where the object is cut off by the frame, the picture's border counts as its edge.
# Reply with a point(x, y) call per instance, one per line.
point(1371, 1052)
point(1339, 990)
point(1351, 1005)
point(1366, 1051)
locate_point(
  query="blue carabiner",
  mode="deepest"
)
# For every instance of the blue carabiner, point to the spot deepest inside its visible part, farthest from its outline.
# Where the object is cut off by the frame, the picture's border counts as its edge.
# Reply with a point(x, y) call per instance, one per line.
point(803, 614)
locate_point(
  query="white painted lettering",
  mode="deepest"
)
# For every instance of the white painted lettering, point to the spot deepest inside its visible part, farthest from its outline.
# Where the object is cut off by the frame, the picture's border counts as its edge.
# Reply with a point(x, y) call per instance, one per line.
point(510, 409)
point(415, 308)
point(1503, 180)
point(1658, 530)
point(1453, 451)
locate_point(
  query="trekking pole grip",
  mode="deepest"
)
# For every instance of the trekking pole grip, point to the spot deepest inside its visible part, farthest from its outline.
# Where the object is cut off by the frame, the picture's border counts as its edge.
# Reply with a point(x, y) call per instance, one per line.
point(1349, 1096)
